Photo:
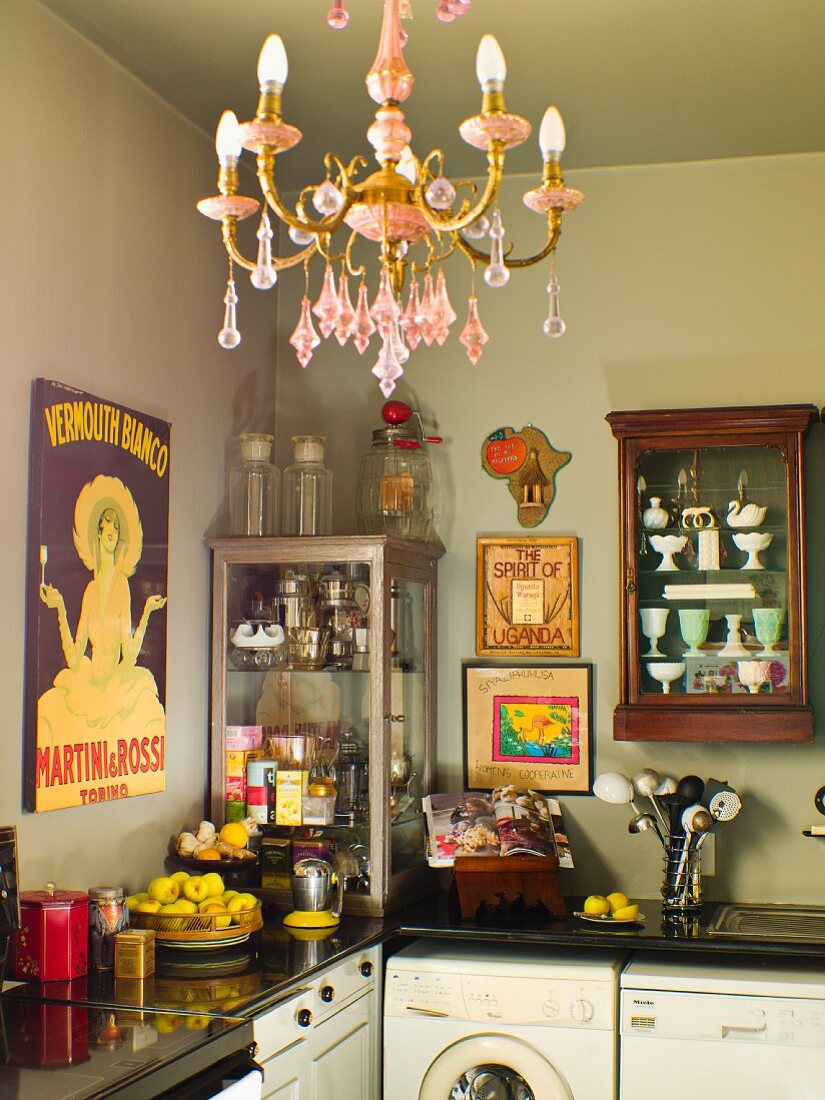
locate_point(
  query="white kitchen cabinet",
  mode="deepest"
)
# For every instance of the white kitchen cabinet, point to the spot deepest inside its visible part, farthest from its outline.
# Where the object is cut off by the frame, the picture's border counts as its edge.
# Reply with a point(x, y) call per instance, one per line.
point(324, 1040)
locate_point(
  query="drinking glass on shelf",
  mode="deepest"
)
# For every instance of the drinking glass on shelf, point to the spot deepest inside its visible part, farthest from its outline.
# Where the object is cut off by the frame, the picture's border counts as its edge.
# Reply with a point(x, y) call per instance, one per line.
point(654, 625)
point(693, 623)
point(767, 625)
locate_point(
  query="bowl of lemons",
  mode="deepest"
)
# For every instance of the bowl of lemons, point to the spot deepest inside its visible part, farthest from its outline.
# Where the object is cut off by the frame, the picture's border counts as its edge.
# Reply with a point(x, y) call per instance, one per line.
point(612, 908)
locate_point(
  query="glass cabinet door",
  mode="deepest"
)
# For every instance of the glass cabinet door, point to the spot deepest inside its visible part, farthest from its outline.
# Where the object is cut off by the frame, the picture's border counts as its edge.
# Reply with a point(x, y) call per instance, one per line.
point(326, 645)
point(713, 573)
point(713, 639)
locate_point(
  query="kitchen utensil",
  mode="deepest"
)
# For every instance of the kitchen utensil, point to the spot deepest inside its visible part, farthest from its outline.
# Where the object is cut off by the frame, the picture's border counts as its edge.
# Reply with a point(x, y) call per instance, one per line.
point(725, 805)
point(819, 800)
point(315, 904)
point(646, 783)
point(615, 788)
point(696, 820)
point(691, 786)
point(674, 805)
point(350, 779)
point(642, 822)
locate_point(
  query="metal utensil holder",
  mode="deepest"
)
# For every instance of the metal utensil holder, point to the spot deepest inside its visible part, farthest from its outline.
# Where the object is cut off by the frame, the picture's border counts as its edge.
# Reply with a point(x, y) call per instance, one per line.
point(682, 882)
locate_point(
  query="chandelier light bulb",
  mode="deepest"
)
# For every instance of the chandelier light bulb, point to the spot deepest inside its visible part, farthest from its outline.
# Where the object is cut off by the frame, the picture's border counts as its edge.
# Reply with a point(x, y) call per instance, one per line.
point(272, 63)
point(491, 68)
point(552, 137)
point(228, 138)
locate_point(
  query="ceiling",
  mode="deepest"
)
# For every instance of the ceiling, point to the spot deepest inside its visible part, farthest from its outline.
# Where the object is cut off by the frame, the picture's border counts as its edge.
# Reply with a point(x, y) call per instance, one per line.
point(637, 81)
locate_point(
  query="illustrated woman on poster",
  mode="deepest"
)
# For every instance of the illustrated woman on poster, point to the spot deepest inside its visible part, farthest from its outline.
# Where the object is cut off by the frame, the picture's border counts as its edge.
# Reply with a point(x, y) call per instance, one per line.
point(108, 689)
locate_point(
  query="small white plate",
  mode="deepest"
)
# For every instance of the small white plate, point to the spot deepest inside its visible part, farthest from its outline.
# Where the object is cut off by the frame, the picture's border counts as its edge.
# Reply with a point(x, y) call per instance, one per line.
point(638, 919)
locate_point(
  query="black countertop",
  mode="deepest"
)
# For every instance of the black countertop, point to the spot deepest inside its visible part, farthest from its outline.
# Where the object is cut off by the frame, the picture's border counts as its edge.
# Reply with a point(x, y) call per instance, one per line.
point(196, 1001)
point(249, 978)
point(61, 1051)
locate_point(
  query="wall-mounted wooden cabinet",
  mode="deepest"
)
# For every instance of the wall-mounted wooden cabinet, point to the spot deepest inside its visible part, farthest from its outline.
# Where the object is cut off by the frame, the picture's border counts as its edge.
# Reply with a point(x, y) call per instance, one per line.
point(712, 550)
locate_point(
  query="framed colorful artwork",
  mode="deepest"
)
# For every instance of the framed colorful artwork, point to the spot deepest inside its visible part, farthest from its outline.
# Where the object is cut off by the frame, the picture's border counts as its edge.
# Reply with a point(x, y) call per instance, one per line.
point(527, 597)
point(528, 725)
point(96, 576)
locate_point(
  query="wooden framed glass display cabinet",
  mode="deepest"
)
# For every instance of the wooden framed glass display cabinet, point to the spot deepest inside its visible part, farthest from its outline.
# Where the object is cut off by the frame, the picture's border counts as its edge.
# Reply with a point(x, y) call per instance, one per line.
point(329, 645)
point(712, 542)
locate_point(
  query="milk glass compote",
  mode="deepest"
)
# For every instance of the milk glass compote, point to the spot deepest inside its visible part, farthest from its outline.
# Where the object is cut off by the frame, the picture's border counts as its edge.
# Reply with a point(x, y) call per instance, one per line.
point(753, 674)
point(654, 625)
point(767, 625)
point(666, 672)
point(693, 623)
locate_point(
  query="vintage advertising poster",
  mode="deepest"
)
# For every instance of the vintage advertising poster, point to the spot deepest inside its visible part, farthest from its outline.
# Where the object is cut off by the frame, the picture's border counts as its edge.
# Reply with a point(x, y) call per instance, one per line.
point(528, 725)
point(95, 721)
point(527, 597)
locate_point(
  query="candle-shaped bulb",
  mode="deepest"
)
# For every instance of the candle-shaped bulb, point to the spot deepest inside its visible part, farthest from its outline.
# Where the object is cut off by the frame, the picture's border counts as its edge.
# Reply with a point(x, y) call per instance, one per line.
point(490, 64)
point(228, 138)
point(552, 137)
point(272, 63)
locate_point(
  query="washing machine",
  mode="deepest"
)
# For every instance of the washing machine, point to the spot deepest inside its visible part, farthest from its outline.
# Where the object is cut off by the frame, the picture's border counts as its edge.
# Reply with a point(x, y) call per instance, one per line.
point(490, 1022)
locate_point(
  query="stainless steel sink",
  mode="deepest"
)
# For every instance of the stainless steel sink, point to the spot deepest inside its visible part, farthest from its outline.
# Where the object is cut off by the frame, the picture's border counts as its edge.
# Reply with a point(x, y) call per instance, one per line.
point(770, 922)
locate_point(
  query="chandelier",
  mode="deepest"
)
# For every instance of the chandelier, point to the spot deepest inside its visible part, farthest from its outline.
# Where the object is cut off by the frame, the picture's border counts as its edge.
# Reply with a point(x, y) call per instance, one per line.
point(415, 215)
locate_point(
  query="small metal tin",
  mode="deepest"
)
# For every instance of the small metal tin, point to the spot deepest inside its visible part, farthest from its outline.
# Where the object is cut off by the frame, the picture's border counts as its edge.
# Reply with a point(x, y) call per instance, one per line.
point(135, 953)
point(260, 789)
point(51, 943)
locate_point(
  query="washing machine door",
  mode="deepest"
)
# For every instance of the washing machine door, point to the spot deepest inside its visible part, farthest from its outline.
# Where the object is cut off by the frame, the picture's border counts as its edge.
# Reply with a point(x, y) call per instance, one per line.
point(492, 1067)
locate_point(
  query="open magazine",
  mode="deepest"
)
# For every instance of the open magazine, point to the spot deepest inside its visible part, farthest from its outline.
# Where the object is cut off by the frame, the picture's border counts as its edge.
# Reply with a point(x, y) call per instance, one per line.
point(506, 821)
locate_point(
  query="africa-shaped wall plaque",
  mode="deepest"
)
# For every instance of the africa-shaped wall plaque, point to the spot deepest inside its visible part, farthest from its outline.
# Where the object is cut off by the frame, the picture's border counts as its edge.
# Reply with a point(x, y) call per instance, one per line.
point(529, 463)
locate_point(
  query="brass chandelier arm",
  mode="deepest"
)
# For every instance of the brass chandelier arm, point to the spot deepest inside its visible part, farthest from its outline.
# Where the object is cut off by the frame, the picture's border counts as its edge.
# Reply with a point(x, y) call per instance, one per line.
point(229, 232)
point(554, 230)
point(351, 268)
point(495, 172)
point(266, 164)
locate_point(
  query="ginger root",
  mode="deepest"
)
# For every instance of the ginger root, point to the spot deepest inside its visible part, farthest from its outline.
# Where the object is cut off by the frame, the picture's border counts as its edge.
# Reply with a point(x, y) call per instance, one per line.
point(231, 851)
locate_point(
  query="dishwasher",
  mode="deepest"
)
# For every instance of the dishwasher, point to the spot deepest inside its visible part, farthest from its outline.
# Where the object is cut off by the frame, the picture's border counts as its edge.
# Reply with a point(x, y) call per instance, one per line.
point(699, 1027)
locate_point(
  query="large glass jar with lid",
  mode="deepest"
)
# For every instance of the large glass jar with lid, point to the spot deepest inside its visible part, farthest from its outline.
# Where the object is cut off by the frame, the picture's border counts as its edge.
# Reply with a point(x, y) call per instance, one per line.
point(254, 488)
point(308, 489)
point(395, 483)
point(348, 697)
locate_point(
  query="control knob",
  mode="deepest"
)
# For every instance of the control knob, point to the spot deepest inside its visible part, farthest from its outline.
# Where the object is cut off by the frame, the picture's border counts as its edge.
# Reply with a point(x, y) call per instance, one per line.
point(582, 1011)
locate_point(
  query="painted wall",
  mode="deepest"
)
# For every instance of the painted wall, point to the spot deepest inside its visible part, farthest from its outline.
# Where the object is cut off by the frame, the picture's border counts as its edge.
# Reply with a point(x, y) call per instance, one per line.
point(113, 283)
point(682, 285)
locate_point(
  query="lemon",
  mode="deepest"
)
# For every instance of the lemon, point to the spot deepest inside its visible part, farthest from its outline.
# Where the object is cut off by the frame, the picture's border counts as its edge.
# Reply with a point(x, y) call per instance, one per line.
point(596, 906)
point(234, 833)
point(207, 854)
point(627, 912)
point(617, 900)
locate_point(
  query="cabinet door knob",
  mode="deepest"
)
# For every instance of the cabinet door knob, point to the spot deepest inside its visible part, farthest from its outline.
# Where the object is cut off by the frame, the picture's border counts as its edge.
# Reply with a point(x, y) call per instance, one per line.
point(630, 580)
point(366, 969)
point(327, 994)
point(304, 1018)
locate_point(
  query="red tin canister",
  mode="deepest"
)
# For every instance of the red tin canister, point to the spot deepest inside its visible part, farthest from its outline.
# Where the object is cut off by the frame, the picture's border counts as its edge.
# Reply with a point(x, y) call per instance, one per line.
point(52, 941)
